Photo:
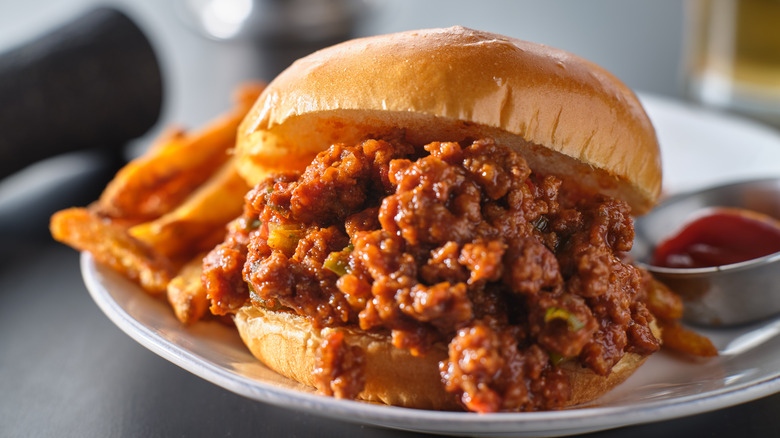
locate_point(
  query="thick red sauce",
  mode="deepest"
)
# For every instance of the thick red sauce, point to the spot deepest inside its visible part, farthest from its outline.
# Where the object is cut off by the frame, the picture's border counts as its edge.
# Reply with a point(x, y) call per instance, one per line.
point(721, 237)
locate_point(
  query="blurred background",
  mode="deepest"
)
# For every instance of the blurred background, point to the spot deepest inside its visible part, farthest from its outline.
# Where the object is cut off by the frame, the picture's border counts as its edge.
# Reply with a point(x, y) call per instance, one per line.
point(206, 47)
point(722, 53)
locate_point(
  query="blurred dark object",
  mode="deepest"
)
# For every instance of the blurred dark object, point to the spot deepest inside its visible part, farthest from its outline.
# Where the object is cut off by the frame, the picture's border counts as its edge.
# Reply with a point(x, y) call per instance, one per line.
point(279, 31)
point(29, 197)
point(277, 22)
point(93, 83)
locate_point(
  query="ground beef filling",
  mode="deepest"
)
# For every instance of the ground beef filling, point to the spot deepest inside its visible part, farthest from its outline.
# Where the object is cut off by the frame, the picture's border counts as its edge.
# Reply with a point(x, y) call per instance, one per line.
point(448, 243)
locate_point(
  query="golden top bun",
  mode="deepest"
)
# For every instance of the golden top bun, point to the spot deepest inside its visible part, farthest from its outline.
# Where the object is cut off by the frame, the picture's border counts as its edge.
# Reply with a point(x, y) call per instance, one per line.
point(566, 115)
point(287, 343)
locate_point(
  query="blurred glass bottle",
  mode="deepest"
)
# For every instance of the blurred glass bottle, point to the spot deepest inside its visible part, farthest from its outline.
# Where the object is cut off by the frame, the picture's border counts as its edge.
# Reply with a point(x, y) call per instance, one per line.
point(734, 56)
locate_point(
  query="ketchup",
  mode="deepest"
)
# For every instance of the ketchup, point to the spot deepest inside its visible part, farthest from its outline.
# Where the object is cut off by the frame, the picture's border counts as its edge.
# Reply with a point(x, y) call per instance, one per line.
point(721, 237)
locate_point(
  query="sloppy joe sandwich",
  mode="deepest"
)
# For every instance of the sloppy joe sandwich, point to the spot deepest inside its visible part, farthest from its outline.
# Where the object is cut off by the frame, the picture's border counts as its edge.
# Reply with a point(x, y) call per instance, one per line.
point(440, 219)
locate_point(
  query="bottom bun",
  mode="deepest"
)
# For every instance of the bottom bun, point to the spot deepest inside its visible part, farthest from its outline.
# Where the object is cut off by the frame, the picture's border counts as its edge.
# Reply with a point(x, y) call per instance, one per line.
point(288, 344)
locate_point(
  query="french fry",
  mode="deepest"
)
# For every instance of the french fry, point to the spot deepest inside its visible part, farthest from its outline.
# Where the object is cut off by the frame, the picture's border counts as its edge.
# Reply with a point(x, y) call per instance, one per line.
point(170, 134)
point(113, 246)
point(662, 302)
point(678, 338)
point(155, 183)
point(186, 294)
point(199, 223)
point(667, 307)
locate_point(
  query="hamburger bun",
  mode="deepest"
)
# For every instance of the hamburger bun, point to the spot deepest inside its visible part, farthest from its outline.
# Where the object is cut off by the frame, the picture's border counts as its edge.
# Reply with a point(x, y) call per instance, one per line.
point(566, 116)
point(288, 344)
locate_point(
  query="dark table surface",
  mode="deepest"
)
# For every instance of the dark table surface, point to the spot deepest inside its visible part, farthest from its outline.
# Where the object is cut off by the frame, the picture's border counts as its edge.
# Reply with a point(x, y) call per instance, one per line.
point(66, 370)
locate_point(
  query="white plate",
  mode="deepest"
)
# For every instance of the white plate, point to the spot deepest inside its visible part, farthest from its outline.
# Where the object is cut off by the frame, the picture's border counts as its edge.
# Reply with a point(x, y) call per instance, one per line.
point(699, 148)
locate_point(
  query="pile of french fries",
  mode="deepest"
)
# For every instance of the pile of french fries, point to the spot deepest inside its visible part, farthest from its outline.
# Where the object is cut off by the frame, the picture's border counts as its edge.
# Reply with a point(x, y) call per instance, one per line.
point(160, 214)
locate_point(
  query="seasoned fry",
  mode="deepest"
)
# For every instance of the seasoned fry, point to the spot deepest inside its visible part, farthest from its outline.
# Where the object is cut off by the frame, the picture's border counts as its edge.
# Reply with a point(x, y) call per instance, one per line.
point(662, 302)
point(155, 183)
point(112, 245)
point(680, 339)
point(197, 224)
point(186, 294)
point(170, 134)
point(667, 307)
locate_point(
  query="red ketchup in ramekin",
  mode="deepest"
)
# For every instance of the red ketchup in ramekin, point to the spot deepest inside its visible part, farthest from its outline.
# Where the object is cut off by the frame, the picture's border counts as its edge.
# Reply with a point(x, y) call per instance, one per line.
point(717, 237)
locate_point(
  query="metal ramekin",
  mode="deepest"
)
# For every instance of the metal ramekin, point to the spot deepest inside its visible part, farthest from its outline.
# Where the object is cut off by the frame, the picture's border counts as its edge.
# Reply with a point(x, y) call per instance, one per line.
point(725, 295)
